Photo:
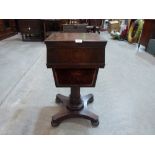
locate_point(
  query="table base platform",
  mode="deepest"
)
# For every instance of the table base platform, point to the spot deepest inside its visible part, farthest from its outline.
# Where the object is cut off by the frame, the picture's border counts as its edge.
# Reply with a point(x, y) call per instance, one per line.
point(74, 106)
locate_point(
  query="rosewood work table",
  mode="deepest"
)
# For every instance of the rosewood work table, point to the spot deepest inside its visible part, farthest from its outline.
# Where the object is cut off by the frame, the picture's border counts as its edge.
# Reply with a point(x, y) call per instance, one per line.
point(75, 59)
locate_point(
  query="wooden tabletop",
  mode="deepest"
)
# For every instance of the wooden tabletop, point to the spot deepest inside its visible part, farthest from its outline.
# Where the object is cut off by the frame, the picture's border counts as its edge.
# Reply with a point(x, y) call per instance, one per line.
point(86, 37)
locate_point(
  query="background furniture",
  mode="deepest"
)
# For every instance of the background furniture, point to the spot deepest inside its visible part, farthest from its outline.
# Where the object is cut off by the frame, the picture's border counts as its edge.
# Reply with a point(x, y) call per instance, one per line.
point(74, 27)
point(38, 30)
point(7, 28)
point(75, 64)
point(71, 25)
point(113, 26)
point(31, 29)
point(151, 46)
point(53, 25)
point(94, 25)
point(148, 32)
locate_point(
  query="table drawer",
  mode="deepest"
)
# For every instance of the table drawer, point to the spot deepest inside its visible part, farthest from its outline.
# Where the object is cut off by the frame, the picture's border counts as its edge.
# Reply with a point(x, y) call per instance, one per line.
point(75, 77)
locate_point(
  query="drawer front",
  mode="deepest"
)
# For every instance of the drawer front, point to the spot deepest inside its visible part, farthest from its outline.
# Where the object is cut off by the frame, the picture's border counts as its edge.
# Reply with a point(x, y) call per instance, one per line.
point(75, 55)
point(75, 77)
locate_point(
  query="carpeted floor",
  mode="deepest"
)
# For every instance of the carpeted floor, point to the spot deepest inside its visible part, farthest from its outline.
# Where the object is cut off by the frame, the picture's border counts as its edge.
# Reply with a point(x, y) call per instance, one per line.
point(124, 92)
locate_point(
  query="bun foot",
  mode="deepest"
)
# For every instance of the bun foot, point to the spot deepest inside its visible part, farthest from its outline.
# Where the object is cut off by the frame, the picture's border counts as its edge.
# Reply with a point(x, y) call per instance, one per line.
point(90, 98)
point(57, 100)
point(61, 98)
point(54, 124)
point(95, 123)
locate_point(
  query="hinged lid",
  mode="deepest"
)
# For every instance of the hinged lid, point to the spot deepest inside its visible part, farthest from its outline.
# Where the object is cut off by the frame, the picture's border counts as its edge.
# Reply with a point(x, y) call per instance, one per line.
point(59, 38)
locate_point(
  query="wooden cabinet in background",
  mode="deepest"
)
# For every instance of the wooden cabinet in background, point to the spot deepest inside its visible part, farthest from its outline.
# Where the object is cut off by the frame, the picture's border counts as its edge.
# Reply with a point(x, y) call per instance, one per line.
point(75, 28)
point(31, 29)
point(7, 28)
point(52, 25)
point(148, 32)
